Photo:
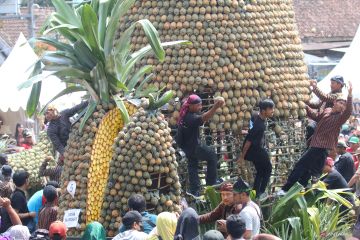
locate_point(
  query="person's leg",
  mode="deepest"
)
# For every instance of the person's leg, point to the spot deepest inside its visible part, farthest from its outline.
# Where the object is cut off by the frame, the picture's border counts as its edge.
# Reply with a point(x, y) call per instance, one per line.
point(300, 169)
point(194, 182)
point(204, 152)
point(267, 168)
point(261, 161)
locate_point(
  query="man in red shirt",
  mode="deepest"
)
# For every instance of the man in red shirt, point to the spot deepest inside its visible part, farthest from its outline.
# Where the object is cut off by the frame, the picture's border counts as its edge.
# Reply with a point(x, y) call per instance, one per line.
point(324, 139)
point(354, 145)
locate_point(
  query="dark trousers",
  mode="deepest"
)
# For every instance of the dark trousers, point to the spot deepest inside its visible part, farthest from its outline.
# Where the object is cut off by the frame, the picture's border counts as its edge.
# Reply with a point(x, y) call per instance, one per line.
point(310, 164)
point(201, 153)
point(261, 161)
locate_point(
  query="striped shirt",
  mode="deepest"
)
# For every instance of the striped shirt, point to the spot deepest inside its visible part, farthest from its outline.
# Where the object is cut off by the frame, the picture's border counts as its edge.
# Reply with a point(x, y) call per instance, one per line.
point(54, 174)
point(326, 100)
point(47, 216)
point(328, 125)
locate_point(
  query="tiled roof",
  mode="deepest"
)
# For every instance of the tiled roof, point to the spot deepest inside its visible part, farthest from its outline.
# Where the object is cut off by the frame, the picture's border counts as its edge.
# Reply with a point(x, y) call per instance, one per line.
point(11, 28)
point(327, 20)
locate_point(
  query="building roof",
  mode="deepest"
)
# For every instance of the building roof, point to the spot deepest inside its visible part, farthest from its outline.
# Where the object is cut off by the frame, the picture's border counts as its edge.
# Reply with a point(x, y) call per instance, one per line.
point(327, 20)
point(11, 28)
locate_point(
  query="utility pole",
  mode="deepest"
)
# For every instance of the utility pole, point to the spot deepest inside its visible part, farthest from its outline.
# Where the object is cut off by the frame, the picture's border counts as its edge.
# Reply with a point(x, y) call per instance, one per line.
point(31, 19)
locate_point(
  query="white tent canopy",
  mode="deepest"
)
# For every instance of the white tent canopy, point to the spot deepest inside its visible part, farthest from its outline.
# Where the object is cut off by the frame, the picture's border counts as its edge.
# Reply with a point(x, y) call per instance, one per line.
point(15, 70)
point(348, 67)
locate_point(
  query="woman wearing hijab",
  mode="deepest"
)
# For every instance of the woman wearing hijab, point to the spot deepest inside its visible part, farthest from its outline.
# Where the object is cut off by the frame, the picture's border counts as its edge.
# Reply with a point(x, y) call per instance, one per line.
point(94, 231)
point(165, 227)
point(188, 139)
point(187, 227)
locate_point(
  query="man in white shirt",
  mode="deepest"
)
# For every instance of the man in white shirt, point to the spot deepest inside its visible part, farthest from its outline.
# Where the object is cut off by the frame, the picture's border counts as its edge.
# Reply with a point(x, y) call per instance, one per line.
point(250, 212)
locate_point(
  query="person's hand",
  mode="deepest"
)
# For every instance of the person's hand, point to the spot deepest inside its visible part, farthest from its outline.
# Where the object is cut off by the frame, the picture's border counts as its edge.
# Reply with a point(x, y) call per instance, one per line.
point(240, 160)
point(313, 83)
point(48, 159)
point(219, 102)
point(32, 214)
point(350, 88)
point(5, 202)
point(61, 157)
point(221, 225)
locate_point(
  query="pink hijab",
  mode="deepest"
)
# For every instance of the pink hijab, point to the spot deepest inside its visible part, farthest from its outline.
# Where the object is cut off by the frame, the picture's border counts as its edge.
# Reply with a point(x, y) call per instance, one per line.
point(192, 99)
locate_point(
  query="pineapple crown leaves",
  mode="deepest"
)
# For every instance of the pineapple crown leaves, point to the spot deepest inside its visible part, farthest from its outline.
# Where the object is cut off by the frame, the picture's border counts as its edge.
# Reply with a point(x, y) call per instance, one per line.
point(90, 57)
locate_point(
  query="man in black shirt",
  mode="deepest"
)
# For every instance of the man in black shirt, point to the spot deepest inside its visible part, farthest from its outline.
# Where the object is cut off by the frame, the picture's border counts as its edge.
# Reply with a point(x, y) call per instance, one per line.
point(60, 125)
point(345, 164)
point(19, 202)
point(254, 150)
point(188, 140)
point(334, 180)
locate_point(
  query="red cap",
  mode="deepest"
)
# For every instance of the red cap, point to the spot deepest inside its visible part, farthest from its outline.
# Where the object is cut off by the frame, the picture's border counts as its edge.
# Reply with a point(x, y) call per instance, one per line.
point(329, 161)
point(57, 227)
point(226, 187)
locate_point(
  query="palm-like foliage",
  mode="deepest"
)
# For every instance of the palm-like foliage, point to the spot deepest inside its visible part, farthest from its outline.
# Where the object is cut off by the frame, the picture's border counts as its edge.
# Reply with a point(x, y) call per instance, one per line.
point(91, 59)
point(306, 214)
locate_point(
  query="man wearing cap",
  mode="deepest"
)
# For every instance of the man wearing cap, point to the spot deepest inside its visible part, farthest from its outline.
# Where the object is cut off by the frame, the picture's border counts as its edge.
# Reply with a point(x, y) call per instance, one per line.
point(60, 125)
point(250, 211)
point(353, 147)
point(133, 225)
point(223, 210)
point(188, 139)
point(57, 231)
point(345, 163)
point(324, 139)
point(327, 100)
point(7, 186)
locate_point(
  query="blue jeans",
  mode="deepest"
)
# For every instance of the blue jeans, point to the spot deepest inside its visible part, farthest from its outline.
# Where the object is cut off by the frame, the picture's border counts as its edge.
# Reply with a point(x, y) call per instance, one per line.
point(201, 153)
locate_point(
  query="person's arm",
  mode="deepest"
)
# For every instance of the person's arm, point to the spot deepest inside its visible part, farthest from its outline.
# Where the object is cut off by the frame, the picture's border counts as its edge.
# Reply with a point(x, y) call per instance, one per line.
point(211, 216)
point(354, 179)
point(17, 204)
point(71, 111)
point(244, 151)
point(349, 107)
point(331, 97)
point(264, 236)
point(314, 105)
point(44, 171)
point(209, 114)
point(14, 217)
point(248, 224)
point(55, 139)
point(312, 114)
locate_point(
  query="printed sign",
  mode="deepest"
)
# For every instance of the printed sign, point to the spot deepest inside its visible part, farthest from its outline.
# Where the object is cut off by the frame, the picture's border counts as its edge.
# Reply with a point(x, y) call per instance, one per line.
point(71, 218)
point(71, 188)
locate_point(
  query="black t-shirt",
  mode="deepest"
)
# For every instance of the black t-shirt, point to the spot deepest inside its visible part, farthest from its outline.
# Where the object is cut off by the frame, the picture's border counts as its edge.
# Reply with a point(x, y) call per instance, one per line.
point(5, 220)
point(19, 203)
point(345, 166)
point(334, 180)
point(256, 132)
point(191, 132)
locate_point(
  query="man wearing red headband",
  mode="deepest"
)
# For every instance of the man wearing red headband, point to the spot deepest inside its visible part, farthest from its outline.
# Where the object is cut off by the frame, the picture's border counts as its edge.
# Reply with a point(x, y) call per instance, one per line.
point(188, 139)
point(226, 208)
